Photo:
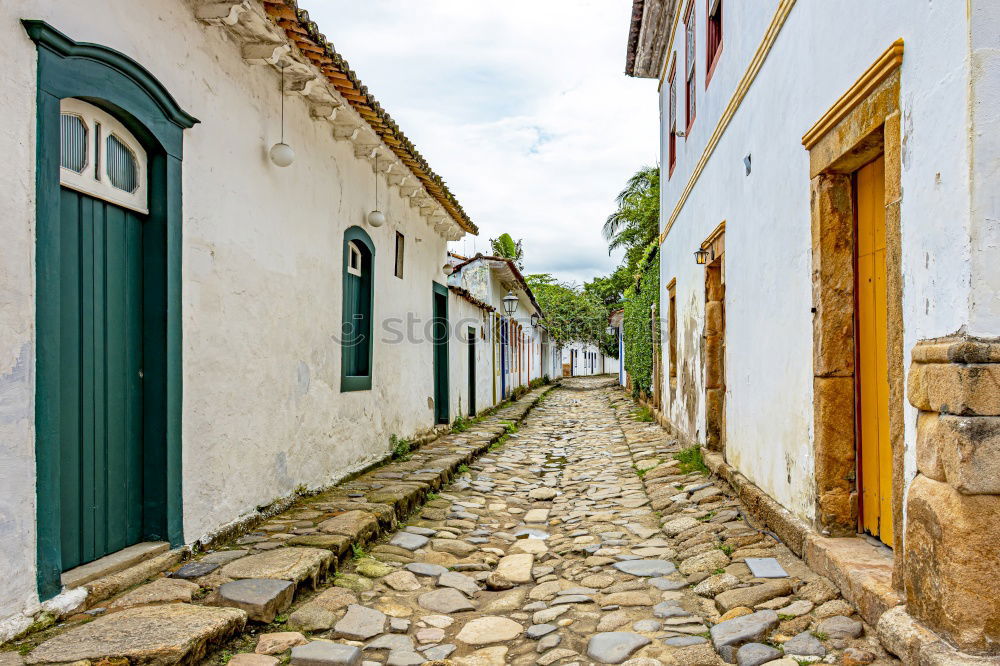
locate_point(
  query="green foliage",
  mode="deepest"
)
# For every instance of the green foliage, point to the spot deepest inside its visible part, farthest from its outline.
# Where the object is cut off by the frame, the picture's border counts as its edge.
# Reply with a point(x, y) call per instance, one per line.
point(461, 424)
point(610, 290)
point(644, 415)
point(462, 469)
point(432, 496)
point(691, 461)
point(400, 448)
point(359, 551)
point(638, 323)
point(725, 548)
point(571, 314)
point(506, 247)
point(636, 223)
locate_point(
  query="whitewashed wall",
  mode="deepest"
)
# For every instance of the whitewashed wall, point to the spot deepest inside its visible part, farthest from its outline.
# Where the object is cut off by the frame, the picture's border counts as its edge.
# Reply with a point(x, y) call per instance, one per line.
point(262, 254)
point(820, 52)
point(583, 367)
point(464, 315)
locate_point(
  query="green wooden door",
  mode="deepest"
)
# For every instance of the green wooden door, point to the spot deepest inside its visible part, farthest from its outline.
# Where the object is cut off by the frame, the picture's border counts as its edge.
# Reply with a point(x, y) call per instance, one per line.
point(439, 328)
point(101, 378)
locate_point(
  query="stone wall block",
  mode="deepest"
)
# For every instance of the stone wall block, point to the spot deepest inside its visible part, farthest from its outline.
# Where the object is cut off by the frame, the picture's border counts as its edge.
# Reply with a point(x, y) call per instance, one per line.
point(713, 317)
point(963, 389)
point(714, 408)
point(834, 419)
point(929, 461)
point(969, 452)
point(713, 362)
point(952, 561)
point(833, 276)
point(916, 386)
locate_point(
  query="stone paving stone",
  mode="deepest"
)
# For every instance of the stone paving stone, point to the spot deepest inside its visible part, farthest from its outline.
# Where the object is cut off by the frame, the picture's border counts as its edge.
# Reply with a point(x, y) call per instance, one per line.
point(160, 591)
point(614, 647)
point(168, 634)
point(261, 598)
point(360, 623)
point(193, 570)
point(408, 541)
point(322, 653)
point(445, 600)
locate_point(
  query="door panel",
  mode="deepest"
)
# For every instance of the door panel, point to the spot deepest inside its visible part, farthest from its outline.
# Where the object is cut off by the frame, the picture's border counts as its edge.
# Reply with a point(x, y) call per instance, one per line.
point(875, 451)
point(101, 404)
point(440, 338)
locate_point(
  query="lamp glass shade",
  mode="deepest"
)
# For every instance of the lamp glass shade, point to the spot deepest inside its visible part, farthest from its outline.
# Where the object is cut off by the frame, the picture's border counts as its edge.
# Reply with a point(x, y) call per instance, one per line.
point(282, 154)
point(448, 269)
point(701, 256)
point(611, 330)
point(510, 303)
point(376, 218)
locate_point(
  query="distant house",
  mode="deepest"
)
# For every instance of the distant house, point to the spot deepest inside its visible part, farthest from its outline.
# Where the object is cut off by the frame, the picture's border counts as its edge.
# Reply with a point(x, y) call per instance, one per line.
point(582, 359)
point(828, 247)
point(190, 326)
point(516, 347)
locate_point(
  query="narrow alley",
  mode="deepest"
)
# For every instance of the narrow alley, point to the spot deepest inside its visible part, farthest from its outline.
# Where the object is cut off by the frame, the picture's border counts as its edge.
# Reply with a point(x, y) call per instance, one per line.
point(580, 539)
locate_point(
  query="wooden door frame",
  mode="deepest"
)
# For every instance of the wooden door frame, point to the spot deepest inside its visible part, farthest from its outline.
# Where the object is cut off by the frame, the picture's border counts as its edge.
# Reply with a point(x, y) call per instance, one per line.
point(119, 85)
point(471, 341)
point(864, 122)
point(442, 407)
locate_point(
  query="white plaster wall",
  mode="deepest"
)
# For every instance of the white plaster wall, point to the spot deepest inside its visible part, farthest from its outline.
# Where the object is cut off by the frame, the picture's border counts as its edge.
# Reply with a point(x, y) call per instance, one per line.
point(262, 260)
point(820, 52)
point(581, 368)
point(17, 323)
point(464, 315)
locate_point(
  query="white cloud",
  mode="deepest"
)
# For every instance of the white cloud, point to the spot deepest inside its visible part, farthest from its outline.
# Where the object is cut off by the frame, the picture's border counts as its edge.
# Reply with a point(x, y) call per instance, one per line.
point(521, 106)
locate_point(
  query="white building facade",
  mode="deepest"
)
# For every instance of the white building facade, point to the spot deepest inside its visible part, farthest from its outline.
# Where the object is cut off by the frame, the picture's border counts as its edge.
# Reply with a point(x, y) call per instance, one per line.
point(516, 348)
point(832, 165)
point(179, 315)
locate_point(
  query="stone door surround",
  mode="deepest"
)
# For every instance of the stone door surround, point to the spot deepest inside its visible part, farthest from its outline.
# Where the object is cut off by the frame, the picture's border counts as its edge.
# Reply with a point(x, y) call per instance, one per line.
point(861, 125)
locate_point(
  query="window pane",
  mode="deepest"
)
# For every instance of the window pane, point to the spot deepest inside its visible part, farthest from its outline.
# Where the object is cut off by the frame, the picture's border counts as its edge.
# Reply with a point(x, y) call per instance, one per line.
point(122, 169)
point(72, 143)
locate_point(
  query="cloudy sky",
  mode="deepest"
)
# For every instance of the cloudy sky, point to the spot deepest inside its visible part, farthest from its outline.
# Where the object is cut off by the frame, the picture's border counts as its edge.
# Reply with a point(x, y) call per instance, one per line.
point(521, 106)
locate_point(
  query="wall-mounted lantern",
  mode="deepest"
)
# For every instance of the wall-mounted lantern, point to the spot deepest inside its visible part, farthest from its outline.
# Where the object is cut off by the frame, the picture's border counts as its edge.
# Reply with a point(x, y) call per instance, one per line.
point(510, 303)
point(534, 320)
point(448, 269)
point(281, 153)
point(701, 256)
point(610, 330)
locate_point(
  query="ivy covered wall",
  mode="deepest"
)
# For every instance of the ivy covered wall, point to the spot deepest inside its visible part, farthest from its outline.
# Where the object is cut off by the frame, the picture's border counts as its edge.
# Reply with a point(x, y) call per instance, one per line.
point(637, 322)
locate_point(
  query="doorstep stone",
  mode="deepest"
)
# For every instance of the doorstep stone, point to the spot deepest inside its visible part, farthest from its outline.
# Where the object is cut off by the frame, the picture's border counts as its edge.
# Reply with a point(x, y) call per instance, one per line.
point(261, 598)
point(168, 634)
point(295, 564)
point(113, 563)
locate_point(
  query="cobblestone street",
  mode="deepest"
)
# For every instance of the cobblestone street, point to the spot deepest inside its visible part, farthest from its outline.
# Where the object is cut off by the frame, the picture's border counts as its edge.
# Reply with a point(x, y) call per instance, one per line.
point(580, 539)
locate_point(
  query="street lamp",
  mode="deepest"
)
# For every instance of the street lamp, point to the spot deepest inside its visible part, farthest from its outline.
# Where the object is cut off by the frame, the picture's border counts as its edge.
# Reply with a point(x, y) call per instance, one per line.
point(510, 303)
point(534, 320)
point(701, 256)
point(610, 330)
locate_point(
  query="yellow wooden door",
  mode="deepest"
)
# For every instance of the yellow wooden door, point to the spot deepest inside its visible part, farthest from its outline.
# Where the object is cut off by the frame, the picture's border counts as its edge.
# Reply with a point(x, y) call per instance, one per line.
point(875, 452)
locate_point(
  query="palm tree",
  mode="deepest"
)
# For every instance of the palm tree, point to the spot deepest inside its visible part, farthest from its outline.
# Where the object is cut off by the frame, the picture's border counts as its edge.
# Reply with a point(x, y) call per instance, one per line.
point(636, 223)
point(506, 247)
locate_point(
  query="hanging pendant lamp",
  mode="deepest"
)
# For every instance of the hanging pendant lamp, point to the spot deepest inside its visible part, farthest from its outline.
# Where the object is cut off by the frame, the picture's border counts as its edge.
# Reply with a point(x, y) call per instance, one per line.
point(376, 218)
point(281, 153)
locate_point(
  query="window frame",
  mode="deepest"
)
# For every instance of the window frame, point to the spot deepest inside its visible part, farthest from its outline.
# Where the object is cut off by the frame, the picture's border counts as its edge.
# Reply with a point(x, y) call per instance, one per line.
point(672, 119)
point(357, 239)
point(400, 254)
point(672, 333)
point(690, 68)
point(94, 179)
point(712, 57)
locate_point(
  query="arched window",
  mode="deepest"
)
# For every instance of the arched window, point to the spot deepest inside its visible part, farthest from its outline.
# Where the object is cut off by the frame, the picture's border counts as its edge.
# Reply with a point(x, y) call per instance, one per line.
point(356, 320)
point(99, 157)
